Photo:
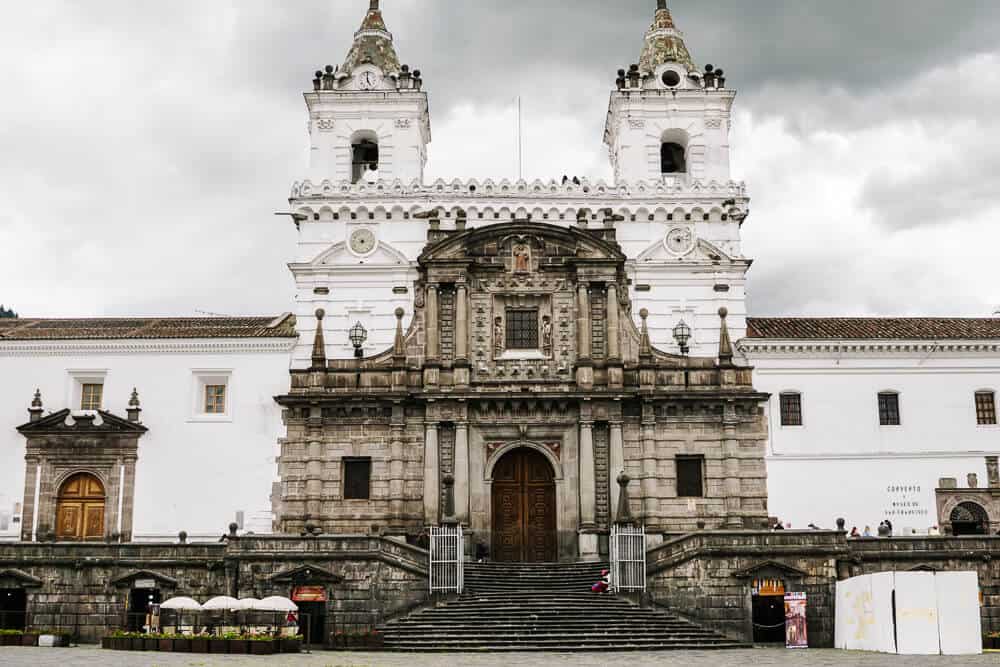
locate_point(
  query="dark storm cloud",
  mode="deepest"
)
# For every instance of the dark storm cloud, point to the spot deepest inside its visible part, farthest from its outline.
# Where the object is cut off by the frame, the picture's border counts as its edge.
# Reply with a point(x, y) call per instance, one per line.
point(145, 144)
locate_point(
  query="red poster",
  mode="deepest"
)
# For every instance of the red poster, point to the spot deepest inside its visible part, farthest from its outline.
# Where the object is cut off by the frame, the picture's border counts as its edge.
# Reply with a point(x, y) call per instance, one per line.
point(309, 594)
point(795, 621)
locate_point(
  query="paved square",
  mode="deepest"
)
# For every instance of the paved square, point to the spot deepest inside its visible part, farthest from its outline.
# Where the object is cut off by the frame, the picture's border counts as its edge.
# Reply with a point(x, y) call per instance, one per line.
point(87, 656)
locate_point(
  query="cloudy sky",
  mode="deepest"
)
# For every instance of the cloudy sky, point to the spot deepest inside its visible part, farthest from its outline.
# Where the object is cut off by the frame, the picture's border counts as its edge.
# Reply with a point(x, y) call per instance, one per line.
point(145, 145)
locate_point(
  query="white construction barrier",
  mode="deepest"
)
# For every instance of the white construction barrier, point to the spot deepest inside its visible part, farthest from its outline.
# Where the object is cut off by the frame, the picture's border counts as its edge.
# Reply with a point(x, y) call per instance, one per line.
point(933, 613)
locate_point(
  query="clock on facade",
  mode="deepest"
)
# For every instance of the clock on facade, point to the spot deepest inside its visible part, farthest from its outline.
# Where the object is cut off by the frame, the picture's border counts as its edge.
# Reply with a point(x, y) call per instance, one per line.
point(368, 80)
point(679, 240)
point(362, 241)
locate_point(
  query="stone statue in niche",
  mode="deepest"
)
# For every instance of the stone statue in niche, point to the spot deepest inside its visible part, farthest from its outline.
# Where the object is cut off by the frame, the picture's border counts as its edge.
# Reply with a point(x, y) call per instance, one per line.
point(973, 480)
point(497, 336)
point(547, 336)
point(522, 258)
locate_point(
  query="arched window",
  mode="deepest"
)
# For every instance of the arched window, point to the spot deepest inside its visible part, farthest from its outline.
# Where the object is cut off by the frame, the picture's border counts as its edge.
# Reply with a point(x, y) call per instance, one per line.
point(968, 519)
point(672, 158)
point(80, 508)
point(364, 157)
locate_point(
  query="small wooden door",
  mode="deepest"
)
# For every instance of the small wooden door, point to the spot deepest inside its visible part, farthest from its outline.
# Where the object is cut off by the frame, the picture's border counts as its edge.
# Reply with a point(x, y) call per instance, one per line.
point(80, 508)
point(524, 508)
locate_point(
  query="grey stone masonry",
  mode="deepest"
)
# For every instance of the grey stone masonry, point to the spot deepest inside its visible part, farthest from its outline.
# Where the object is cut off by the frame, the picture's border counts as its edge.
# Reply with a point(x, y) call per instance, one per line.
point(85, 588)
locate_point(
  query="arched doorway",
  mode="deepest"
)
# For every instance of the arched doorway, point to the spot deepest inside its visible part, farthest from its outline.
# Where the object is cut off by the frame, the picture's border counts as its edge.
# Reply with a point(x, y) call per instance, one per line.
point(968, 519)
point(80, 508)
point(524, 508)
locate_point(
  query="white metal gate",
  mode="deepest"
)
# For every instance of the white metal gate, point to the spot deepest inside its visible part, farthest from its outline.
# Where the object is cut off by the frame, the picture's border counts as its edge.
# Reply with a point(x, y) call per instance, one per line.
point(628, 558)
point(447, 559)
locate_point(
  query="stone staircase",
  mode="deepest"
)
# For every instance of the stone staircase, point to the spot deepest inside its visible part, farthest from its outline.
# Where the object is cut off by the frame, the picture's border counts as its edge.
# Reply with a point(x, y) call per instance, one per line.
point(543, 607)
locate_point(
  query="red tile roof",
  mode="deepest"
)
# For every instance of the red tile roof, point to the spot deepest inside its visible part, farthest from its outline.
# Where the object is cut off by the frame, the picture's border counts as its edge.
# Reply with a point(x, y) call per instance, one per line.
point(875, 328)
point(22, 329)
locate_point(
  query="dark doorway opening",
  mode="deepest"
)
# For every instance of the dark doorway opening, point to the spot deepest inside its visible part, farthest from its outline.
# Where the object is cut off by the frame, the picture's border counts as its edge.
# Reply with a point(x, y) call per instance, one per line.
point(968, 519)
point(13, 608)
point(139, 601)
point(524, 508)
point(768, 599)
point(312, 622)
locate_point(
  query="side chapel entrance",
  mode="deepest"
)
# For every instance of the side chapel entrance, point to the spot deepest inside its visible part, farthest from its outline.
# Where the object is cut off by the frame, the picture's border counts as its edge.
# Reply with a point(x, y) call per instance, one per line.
point(80, 508)
point(524, 508)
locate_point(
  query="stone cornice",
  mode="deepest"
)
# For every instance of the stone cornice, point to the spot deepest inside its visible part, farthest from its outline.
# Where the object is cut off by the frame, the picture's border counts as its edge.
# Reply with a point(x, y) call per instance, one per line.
point(780, 347)
point(139, 346)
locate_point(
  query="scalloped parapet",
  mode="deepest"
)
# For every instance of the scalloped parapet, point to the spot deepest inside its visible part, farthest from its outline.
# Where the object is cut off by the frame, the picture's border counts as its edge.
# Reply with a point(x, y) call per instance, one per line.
point(536, 189)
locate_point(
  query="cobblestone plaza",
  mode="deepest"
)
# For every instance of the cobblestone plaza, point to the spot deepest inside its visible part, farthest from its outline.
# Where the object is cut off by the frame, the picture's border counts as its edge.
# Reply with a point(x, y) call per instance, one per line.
point(87, 656)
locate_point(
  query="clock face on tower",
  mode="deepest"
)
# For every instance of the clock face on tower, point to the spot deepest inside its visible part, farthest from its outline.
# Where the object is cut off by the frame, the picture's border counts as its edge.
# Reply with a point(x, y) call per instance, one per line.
point(368, 80)
point(679, 241)
point(362, 241)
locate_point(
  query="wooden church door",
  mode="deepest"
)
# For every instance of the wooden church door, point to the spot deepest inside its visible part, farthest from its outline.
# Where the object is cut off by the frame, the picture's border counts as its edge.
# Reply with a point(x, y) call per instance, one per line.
point(524, 508)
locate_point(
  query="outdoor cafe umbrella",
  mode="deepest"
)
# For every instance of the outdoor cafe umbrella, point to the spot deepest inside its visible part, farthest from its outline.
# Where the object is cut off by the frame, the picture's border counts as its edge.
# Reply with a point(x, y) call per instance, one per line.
point(277, 603)
point(222, 603)
point(181, 604)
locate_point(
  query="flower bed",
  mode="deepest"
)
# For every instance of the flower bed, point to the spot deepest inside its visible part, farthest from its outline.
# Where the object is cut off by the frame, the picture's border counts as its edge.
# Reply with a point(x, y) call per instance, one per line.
point(229, 643)
point(49, 638)
point(992, 641)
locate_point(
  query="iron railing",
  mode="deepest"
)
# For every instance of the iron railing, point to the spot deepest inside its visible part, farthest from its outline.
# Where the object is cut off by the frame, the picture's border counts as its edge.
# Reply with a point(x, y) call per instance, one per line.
point(447, 570)
point(628, 558)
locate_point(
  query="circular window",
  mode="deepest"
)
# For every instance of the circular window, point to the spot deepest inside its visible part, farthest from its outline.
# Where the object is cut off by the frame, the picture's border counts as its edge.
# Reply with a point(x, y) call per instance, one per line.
point(671, 78)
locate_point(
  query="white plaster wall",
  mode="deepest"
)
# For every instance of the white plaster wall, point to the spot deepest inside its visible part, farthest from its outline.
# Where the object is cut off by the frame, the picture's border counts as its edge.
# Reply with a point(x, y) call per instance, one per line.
point(190, 475)
point(841, 462)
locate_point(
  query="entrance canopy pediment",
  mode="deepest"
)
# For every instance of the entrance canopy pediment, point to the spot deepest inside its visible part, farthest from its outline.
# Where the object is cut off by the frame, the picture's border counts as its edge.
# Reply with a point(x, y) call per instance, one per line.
point(769, 567)
point(11, 578)
point(303, 574)
point(64, 421)
point(130, 578)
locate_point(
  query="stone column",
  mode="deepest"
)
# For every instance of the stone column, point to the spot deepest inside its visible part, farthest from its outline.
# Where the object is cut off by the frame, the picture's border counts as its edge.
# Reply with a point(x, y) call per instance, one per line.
point(432, 475)
point(461, 326)
point(46, 507)
point(461, 473)
point(396, 470)
point(583, 322)
point(431, 324)
point(731, 468)
point(28, 510)
point(616, 460)
point(614, 345)
point(128, 499)
point(314, 477)
point(114, 502)
point(648, 483)
point(588, 500)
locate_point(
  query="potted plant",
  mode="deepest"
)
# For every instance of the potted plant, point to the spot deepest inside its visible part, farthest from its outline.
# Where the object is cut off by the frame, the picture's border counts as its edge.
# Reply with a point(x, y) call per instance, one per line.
point(992, 641)
point(150, 643)
point(217, 644)
point(339, 639)
point(29, 638)
point(237, 643)
point(199, 643)
point(165, 643)
point(261, 645)
point(376, 640)
point(10, 637)
point(135, 641)
point(293, 644)
point(182, 644)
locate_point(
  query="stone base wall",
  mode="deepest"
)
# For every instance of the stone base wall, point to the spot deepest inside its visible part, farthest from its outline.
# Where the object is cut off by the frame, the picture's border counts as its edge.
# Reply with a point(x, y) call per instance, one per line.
point(708, 576)
point(84, 588)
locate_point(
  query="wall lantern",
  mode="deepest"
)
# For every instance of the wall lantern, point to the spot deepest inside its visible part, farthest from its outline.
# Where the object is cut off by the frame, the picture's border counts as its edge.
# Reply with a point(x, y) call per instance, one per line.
point(682, 334)
point(358, 336)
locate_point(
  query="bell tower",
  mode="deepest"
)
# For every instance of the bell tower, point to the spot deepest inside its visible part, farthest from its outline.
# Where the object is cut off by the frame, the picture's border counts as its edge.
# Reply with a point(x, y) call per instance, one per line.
point(368, 118)
point(667, 120)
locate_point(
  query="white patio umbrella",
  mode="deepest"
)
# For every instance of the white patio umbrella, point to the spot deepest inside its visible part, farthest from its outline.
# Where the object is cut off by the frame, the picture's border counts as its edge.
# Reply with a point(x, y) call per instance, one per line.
point(277, 603)
point(222, 603)
point(181, 604)
point(247, 604)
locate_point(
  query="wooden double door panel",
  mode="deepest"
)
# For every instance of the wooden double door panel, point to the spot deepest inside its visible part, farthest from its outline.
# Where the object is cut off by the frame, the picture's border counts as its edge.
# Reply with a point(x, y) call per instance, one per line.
point(524, 508)
point(80, 509)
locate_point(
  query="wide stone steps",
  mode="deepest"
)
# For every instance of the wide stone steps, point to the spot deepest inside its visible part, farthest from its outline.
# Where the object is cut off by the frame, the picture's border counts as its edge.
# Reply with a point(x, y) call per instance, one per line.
point(543, 607)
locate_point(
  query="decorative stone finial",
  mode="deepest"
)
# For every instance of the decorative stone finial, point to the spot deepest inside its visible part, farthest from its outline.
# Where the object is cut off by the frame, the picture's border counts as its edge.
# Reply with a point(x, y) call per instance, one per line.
point(182, 537)
point(233, 527)
point(624, 513)
point(319, 343)
point(645, 347)
point(661, 4)
point(373, 7)
point(36, 406)
point(725, 345)
point(133, 406)
point(399, 344)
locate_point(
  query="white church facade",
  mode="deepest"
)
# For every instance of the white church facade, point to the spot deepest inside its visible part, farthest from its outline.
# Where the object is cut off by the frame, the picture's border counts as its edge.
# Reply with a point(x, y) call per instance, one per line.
point(556, 332)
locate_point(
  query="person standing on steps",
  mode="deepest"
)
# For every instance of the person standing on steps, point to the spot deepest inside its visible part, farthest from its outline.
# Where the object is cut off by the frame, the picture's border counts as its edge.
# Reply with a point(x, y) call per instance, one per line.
point(604, 585)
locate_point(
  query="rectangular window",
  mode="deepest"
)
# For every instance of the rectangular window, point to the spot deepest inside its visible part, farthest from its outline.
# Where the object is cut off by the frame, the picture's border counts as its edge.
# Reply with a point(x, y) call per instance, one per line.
point(986, 408)
point(90, 396)
point(357, 479)
point(690, 483)
point(522, 329)
point(215, 399)
point(888, 409)
point(791, 409)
